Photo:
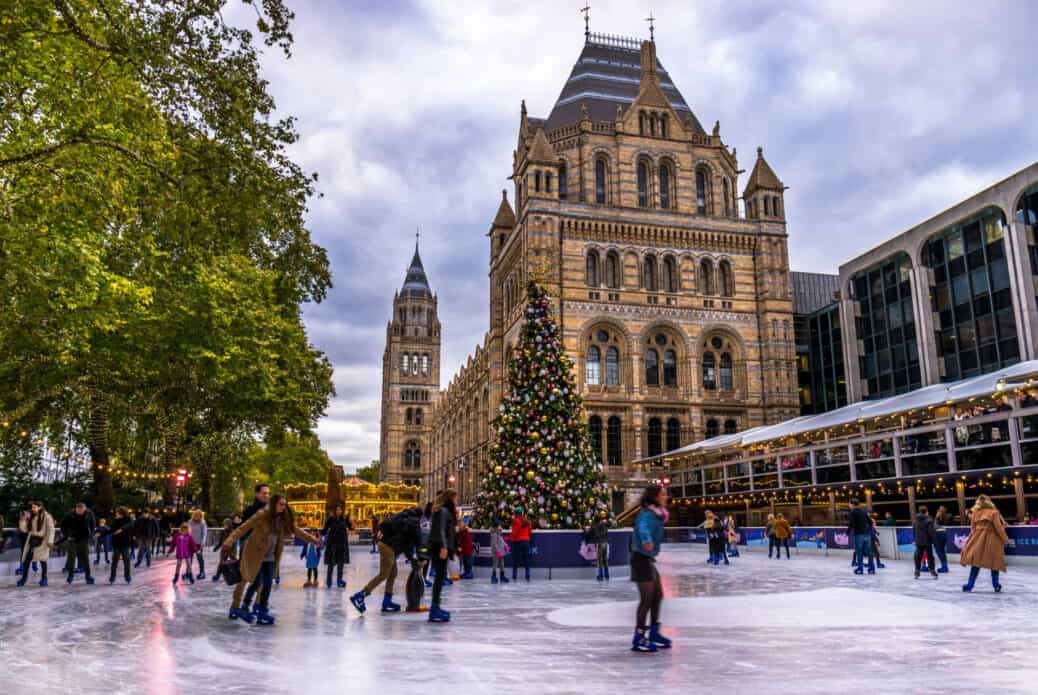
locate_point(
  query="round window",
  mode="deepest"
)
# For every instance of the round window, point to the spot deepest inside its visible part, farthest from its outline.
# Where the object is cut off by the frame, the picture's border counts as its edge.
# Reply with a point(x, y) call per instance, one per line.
point(661, 339)
point(716, 342)
point(603, 337)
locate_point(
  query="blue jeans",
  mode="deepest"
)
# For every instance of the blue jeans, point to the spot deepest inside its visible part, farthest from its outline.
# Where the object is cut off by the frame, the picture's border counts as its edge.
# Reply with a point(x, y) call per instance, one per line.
point(940, 548)
point(263, 581)
point(863, 545)
point(201, 561)
point(144, 553)
point(520, 555)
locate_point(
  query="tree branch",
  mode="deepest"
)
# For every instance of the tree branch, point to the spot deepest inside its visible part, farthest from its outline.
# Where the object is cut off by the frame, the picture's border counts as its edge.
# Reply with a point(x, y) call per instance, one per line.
point(44, 152)
point(70, 21)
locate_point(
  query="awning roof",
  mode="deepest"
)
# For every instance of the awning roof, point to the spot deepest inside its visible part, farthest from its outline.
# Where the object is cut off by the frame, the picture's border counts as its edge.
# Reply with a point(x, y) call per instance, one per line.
point(938, 394)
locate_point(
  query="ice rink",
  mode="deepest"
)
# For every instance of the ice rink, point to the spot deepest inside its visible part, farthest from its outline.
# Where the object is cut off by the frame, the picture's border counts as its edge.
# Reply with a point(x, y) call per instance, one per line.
point(807, 625)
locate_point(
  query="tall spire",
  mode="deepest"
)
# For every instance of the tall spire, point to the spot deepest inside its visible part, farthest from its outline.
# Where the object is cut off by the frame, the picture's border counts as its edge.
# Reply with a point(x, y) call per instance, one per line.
point(416, 284)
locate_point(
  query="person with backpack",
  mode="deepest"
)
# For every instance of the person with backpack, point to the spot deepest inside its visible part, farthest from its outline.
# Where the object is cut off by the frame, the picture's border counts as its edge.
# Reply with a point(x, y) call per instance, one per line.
point(401, 534)
point(442, 543)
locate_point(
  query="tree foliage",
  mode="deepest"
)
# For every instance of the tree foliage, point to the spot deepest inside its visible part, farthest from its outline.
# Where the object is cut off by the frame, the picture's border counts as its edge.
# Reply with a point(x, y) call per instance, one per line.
point(369, 472)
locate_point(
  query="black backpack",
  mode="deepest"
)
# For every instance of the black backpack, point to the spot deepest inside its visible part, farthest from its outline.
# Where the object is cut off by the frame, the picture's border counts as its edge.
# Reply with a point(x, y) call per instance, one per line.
point(395, 524)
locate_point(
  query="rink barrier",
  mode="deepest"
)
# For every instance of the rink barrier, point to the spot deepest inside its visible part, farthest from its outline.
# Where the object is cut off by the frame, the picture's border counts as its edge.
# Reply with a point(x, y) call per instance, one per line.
point(895, 542)
point(559, 554)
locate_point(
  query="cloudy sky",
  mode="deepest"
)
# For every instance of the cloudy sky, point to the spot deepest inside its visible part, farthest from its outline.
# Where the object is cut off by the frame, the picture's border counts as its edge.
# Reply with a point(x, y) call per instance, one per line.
point(875, 114)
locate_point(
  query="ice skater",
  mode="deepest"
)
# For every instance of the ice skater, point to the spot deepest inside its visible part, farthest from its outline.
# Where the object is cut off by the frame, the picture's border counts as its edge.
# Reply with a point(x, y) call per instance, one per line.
point(646, 538)
point(102, 541)
point(783, 532)
point(859, 526)
point(199, 529)
point(400, 534)
point(185, 549)
point(78, 529)
point(731, 530)
point(267, 530)
point(122, 536)
point(770, 531)
point(986, 546)
point(599, 537)
point(941, 521)
point(498, 550)
point(925, 535)
point(442, 542)
point(336, 534)
point(465, 548)
point(220, 537)
point(145, 531)
point(312, 554)
point(38, 528)
point(374, 533)
point(714, 539)
point(520, 539)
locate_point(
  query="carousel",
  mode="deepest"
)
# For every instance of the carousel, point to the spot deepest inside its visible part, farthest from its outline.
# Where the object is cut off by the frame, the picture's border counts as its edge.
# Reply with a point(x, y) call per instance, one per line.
point(361, 500)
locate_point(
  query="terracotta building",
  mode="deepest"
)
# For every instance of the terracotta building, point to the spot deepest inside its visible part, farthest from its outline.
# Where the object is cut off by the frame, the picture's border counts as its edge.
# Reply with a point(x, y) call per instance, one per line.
point(674, 300)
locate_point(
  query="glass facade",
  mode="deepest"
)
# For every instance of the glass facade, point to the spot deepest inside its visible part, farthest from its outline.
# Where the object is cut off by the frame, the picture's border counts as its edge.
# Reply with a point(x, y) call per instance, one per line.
point(889, 353)
point(820, 375)
point(1027, 215)
point(974, 325)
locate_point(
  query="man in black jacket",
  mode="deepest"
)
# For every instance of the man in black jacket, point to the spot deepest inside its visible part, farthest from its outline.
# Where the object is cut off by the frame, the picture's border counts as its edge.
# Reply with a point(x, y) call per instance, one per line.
point(78, 527)
point(145, 530)
point(122, 533)
point(401, 534)
point(925, 537)
point(860, 528)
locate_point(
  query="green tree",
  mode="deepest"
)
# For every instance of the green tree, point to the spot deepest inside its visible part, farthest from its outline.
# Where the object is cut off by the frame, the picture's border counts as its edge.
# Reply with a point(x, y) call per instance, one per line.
point(369, 472)
point(540, 459)
point(294, 459)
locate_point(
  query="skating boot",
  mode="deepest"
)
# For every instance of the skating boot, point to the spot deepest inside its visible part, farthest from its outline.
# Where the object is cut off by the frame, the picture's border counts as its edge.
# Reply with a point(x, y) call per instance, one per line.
point(43, 581)
point(358, 601)
point(21, 581)
point(342, 584)
point(641, 642)
point(658, 639)
point(605, 572)
point(388, 606)
point(504, 579)
point(129, 579)
point(438, 615)
point(71, 576)
point(245, 613)
point(527, 574)
point(263, 617)
point(467, 575)
point(175, 580)
point(190, 579)
point(599, 577)
point(328, 583)
point(493, 577)
point(968, 586)
point(90, 581)
point(200, 575)
point(859, 570)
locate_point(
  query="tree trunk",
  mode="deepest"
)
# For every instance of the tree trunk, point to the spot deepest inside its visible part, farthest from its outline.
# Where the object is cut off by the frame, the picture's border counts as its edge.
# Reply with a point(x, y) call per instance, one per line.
point(100, 466)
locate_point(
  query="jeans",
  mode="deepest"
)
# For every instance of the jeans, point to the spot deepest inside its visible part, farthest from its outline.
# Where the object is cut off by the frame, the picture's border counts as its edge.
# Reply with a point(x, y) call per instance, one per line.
point(940, 548)
point(440, 569)
point(863, 546)
point(100, 547)
point(603, 556)
point(466, 560)
point(928, 549)
point(144, 553)
point(520, 554)
point(772, 544)
point(201, 561)
point(779, 544)
point(263, 582)
point(124, 554)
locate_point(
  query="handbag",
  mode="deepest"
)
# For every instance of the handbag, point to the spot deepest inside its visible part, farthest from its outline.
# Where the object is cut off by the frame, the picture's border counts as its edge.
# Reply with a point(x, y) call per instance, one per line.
point(230, 570)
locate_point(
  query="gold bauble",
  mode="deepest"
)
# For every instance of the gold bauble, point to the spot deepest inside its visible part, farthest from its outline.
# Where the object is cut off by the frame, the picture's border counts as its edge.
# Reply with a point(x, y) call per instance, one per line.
point(529, 475)
point(498, 469)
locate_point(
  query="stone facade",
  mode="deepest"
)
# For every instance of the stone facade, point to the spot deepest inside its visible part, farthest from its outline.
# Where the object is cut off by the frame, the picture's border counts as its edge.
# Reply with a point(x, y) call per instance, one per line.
point(675, 306)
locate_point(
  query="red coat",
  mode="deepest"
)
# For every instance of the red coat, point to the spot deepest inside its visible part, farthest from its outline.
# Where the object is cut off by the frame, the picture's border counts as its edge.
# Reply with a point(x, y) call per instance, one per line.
point(465, 543)
point(520, 529)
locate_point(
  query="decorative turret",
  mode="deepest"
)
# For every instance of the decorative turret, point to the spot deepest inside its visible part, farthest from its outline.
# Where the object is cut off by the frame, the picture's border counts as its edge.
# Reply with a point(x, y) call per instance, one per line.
point(538, 168)
point(764, 192)
point(502, 225)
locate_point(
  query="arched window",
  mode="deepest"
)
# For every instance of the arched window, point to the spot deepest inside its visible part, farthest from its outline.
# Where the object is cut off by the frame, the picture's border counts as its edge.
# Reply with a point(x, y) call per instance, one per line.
point(709, 372)
point(701, 192)
point(594, 430)
point(537, 181)
point(412, 456)
point(775, 207)
point(641, 123)
point(727, 284)
point(408, 416)
point(614, 450)
point(417, 416)
point(655, 437)
point(547, 182)
point(665, 187)
point(711, 428)
point(727, 381)
point(673, 434)
point(670, 275)
point(594, 366)
point(600, 181)
point(643, 185)
point(563, 182)
point(706, 276)
point(652, 124)
point(731, 427)
point(649, 274)
point(612, 270)
point(591, 272)
point(663, 125)
point(652, 368)
point(612, 366)
point(727, 199)
point(405, 361)
point(425, 364)
point(670, 368)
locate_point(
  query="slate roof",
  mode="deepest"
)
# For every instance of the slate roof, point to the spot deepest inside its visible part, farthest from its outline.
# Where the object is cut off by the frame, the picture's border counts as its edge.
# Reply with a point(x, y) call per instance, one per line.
point(416, 284)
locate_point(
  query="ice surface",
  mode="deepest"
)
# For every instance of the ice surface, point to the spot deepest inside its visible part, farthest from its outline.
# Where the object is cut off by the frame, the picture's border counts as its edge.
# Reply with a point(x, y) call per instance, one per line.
point(760, 626)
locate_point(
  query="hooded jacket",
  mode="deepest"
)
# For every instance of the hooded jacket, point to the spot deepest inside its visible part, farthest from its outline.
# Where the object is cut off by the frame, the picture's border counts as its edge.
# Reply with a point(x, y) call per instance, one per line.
point(925, 531)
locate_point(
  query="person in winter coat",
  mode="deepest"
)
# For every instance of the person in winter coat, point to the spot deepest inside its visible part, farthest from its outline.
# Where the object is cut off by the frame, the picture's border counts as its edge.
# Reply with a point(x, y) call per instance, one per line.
point(122, 536)
point(102, 541)
point(859, 526)
point(442, 543)
point(925, 536)
point(498, 550)
point(312, 554)
point(426, 525)
point(646, 539)
point(336, 533)
point(714, 539)
point(145, 531)
point(731, 530)
point(267, 530)
point(985, 547)
point(38, 528)
point(521, 529)
point(599, 536)
point(78, 529)
point(941, 521)
point(400, 534)
point(224, 555)
point(199, 529)
point(465, 548)
point(770, 531)
point(783, 533)
point(185, 548)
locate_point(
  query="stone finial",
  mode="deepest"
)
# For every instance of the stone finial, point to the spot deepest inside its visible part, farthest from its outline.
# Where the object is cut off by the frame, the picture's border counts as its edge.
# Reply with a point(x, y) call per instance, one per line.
point(760, 152)
point(583, 111)
point(504, 194)
point(717, 128)
point(522, 108)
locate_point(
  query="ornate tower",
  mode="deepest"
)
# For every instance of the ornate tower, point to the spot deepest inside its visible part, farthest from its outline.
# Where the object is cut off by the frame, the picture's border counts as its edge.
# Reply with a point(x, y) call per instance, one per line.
point(410, 378)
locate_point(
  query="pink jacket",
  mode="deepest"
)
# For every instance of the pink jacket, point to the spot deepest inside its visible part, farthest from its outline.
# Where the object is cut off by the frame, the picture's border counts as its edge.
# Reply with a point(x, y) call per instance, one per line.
point(184, 545)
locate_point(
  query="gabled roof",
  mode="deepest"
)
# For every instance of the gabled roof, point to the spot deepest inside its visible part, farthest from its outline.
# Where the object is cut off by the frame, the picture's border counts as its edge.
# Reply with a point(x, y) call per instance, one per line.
point(540, 150)
point(505, 215)
point(762, 176)
point(416, 284)
point(606, 75)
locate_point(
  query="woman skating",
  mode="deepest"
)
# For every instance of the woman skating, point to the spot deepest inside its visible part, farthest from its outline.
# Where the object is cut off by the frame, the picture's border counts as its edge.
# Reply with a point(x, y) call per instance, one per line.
point(39, 539)
point(985, 548)
point(336, 534)
point(715, 539)
point(646, 538)
point(198, 529)
point(260, 557)
point(442, 542)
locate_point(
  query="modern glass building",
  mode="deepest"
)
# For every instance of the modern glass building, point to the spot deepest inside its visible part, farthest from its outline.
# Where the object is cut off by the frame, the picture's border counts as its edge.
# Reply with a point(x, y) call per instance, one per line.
point(821, 383)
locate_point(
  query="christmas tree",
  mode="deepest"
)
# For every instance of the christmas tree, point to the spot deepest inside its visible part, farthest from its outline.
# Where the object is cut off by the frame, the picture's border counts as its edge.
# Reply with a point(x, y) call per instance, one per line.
point(541, 460)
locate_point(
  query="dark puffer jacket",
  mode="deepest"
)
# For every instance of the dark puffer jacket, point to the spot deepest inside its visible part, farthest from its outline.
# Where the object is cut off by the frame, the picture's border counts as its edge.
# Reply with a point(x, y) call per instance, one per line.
point(924, 529)
point(403, 532)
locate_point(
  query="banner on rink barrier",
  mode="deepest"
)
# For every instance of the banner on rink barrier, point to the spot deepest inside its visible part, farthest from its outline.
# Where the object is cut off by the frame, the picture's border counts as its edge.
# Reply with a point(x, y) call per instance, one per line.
point(809, 537)
point(559, 548)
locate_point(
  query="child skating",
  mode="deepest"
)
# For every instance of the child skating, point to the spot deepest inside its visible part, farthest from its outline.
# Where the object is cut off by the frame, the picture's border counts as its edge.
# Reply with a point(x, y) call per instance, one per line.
point(498, 550)
point(185, 548)
point(312, 553)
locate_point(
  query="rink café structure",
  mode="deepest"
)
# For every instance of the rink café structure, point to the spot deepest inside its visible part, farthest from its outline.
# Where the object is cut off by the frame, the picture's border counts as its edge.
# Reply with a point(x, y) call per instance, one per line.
point(938, 445)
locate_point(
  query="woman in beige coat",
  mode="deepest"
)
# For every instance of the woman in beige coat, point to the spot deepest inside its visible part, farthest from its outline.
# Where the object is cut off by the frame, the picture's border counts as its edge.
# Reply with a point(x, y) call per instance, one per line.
point(261, 556)
point(985, 548)
point(40, 529)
